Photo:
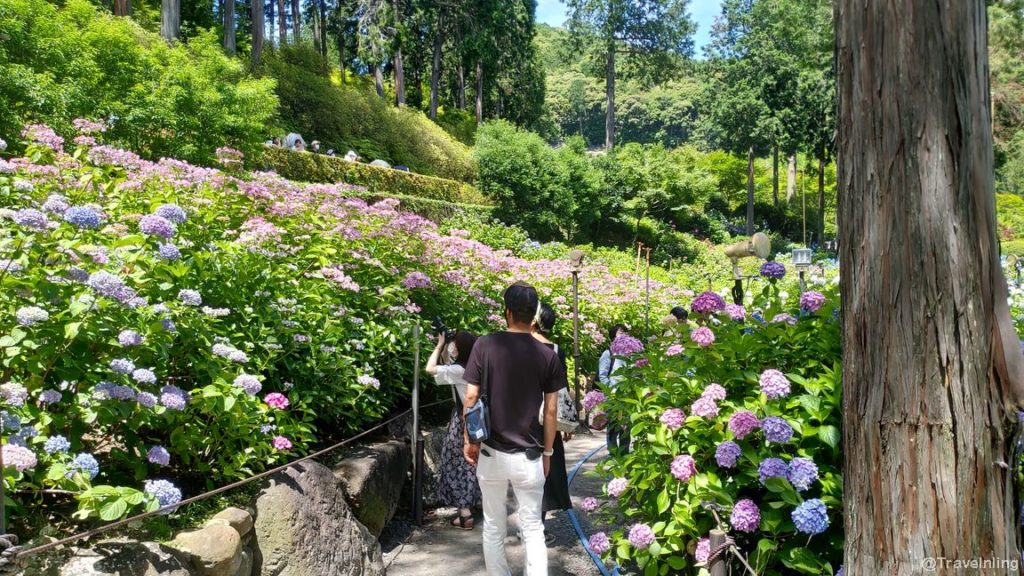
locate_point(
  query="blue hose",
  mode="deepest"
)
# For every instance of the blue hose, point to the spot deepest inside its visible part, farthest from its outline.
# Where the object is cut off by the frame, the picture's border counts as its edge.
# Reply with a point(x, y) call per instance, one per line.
point(576, 523)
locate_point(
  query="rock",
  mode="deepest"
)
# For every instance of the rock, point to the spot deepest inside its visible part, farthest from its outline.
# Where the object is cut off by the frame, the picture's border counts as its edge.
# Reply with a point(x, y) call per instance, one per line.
point(215, 549)
point(304, 527)
point(380, 164)
point(433, 439)
point(237, 518)
point(372, 478)
point(117, 558)
point(245, 569)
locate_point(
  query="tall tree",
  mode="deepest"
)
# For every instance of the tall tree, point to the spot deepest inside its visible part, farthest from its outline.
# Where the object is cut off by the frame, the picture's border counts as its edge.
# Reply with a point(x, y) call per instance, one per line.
point(932, 370)
point(229, 26)
point(282, 24)
point(655, 33)
point(435, 69)
point(296, 22)
point(122, 7)
point(256, 15)
point(170, 19)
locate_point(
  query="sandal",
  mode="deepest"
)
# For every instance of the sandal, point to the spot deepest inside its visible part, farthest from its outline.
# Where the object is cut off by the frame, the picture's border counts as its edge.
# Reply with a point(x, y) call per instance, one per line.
point(462, 522)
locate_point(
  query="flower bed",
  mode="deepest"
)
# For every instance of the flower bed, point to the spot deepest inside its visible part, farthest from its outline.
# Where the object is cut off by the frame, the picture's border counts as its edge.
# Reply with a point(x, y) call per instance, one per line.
point(735, 426)
point(173, 327)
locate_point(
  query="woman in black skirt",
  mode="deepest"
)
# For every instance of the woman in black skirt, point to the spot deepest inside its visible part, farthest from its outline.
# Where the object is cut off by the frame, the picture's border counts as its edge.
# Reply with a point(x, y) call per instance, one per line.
point(556, 487)
point(458, 486)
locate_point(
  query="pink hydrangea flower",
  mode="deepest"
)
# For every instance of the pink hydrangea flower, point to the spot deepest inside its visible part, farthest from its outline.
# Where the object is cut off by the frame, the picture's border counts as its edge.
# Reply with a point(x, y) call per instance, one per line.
point(599, 543)
point(774, 384)
point(641, 536)
point(674, 350)
point(703, 336)
point(684, 467)
point(704, 407)
point(812, 301)
point(673, 418)
point(703, 551)
point(735, 312)
point(589, 504)
point(592, 399)
point(742, 423)
point(276, 400)
point(715, 392)
point(616, 486)
point(281, 443)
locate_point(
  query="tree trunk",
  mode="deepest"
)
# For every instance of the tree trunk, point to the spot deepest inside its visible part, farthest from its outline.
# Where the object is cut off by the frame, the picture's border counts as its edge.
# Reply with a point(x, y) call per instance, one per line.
point(750, 192)
point(821, 200)
point(341, 54)
point(296, 22)
point(378, 80)
point(270, 11)
point(399, 78)
point(229, 26)
point(791, 179)
point(479, 92)
point(322, 5)
point(122, 7)
point(256, 13)
point(775, 176)
point(932, 371)
point(609, 88)
point(282, 24)
point(435, 71)
point(170, 19)
point(461, 75)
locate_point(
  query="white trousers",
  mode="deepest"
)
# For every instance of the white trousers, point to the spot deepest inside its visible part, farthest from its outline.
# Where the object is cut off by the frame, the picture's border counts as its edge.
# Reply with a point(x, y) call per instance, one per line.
point(494, 473)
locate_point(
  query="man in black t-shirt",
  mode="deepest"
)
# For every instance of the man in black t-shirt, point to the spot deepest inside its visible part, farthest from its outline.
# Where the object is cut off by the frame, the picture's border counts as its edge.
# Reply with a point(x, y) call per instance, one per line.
point(522, 375)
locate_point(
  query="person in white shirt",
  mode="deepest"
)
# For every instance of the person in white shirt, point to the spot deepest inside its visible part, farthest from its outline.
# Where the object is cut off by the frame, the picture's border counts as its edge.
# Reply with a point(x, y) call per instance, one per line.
point(458, 486)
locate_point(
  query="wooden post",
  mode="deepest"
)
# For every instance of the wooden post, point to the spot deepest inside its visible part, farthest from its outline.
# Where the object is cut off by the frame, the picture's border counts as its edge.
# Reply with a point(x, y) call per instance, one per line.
point(718, 566)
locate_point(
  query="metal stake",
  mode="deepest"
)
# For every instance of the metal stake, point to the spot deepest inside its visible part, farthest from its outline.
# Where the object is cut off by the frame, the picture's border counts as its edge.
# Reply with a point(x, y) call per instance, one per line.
point(647, 310)
point(417, 442)
point(576, 335)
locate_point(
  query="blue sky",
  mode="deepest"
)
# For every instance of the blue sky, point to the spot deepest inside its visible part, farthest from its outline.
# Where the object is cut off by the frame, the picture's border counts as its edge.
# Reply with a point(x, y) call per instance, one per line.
point(703, 11)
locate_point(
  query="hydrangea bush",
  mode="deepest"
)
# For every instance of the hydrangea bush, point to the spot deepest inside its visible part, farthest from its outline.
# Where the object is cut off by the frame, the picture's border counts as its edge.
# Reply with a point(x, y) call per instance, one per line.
point(169, 323)
point(739, 432)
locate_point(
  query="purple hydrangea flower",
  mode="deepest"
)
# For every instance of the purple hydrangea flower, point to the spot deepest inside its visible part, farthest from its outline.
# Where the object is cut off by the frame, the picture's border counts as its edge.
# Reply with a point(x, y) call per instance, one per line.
point(784, 317)
point(166, 494)
point(32, 219)
point(159, 455)
point(122, 366)
point(249, 383)
point(172, 212)
point(55, 444)
point(811, 517)
point(367, 380)
point(641, 536)
point(714, 391)
point(56, 204)
point(773, 270)
point(616, 486)
point(599, 543)
point(190, 297)
point(812, 301)
point(736, 312)
point(415, 280)
point(707, 302)
point(281, 443)
point(146, 399)
point(157, 226)
point(120, 392)
point(105, 283)
point(144, 376)
point(684, 467)
point(31, 315)
point(85, 464)
point(704, 407)
point(727, 454)
point(168, 325)
point(774, 384)
point(773, 468)
point(776, 429)
point(592, 399)
point(267, 428)
point(44, 135)
point(840, 571)
point(745, 517)
point(13, 394)
point(129, 338)
point(169, 252)
point(173, 398)
point(674, 350)
point(82, 217)
point(10, 266)
point(703, 336)
point(19, 457)
point(802, 473)
point(50, 396)
point(673, 418)
point(589, 504)
point(742, 423)
point(626, 345)
point(703, 551)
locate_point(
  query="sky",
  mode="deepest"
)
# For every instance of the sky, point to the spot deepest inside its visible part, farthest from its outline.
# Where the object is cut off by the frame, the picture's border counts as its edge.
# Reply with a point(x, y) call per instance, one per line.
point(703, 12)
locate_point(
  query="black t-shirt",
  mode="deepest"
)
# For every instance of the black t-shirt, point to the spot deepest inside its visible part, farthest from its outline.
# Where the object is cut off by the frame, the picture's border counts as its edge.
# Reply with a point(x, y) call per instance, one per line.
point(520, 370)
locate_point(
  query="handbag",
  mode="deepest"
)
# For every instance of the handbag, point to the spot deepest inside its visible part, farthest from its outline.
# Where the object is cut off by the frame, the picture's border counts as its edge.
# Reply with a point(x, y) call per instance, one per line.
point(478, 417)
point(566, 417)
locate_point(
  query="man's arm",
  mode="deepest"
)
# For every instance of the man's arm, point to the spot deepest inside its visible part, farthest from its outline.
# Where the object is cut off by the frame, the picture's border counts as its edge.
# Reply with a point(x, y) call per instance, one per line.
point(550, 427)
point(469, 450)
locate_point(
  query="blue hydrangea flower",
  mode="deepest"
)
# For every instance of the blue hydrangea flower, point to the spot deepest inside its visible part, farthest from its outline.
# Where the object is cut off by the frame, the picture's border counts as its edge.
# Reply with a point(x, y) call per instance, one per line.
point(144, 376)
point(85, 464)
point(82, 217)
point(31, 315)
point(159, 455)
point(190, 297)
point(55, 444)
point(129, 338)
point(168, 325)
point(56, 204)
point(157, 226)
point(166, 494)
point(773, 468)
point(802, 473)
point(9, 422)
point(122, 366)
point(76, 274)
point(811, 517)
point(146, 399)
point(173, 398)
point(727, 453)
point(169, 252)
point(50, 396)
point(172, 212)
point(32, 219)
point(776, 429)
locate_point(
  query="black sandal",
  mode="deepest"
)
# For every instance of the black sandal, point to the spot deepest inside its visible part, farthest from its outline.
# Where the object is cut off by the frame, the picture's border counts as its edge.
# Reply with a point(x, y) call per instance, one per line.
point(462, 522)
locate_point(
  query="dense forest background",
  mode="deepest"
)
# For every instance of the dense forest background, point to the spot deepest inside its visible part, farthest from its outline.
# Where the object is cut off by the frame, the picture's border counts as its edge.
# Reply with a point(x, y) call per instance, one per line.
point(612, 129)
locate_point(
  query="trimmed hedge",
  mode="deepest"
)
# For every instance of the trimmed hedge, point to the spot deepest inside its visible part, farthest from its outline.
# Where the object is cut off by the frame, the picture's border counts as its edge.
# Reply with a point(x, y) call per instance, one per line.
point(309, 167)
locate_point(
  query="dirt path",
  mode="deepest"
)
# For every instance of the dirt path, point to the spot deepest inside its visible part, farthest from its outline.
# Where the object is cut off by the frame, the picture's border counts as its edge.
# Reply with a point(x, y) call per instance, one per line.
point(435, 549)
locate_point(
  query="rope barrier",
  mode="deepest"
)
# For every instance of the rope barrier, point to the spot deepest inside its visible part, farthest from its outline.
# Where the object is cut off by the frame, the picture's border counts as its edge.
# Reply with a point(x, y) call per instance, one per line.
point(576, 523)
point(13, 553)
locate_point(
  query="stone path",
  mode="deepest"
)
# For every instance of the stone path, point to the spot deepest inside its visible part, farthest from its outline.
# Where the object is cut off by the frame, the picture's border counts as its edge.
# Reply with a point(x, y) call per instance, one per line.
point(435, 549)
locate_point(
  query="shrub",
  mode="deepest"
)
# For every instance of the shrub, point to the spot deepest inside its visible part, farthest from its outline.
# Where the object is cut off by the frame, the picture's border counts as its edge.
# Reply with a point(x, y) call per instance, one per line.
point(353, 117)
point(61, 63)
point(309, 167)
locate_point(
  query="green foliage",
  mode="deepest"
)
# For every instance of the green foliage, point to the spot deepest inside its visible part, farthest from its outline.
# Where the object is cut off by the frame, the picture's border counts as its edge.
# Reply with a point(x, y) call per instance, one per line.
point(353, 117)
point(309, 167)
point(1010, 216)
point(62, 63)
point(676, 374)
point(459, 123)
